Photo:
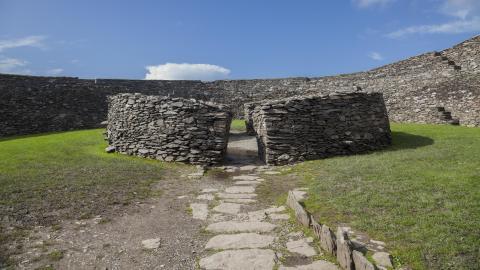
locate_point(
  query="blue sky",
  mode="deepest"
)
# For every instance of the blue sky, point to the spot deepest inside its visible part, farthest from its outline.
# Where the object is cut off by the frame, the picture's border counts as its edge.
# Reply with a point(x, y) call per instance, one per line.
point(212, 39)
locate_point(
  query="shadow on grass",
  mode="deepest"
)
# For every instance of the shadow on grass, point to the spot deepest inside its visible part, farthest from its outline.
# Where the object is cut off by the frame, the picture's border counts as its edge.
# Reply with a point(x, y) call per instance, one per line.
point(402, 140)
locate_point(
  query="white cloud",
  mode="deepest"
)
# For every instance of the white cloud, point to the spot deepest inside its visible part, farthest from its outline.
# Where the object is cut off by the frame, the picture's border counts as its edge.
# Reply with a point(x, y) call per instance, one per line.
point(30, 41)
point(369, 3)
point(460, 8)
point(453, 27)
point(375, 56)
point(55, 71)
point(467, 20)
point(185, 71)
point(11, 65)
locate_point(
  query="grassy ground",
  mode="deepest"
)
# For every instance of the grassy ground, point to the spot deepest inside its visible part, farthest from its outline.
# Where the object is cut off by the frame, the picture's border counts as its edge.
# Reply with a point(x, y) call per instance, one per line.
point(238, 125)
point(46, 178)
point(421, 196)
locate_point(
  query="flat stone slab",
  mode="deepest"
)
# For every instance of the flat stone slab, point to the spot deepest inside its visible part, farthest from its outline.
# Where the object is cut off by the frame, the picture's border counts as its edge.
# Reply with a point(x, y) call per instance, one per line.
point(279, 216)
point(301, 247)
point(151, 243)
point(271, 172)
point(208, 197)
point(236, 195)
point(382, 259)
point(316, 265)
point(241, 240)
point(228, 208)
point(234, 226)
point(199, 210)
point(248, 168)
point(240, 201)
point(252, 259)
point(246, 177)
point(247, 183)
point(260, 215)
point(209, 190)
point(240, 189)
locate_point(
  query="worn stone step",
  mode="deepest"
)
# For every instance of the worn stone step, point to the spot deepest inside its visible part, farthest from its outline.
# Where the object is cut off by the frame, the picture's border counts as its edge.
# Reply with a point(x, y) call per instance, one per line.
point(238, 241)
point(252, 259)
point(237, 227)
point(317, 265)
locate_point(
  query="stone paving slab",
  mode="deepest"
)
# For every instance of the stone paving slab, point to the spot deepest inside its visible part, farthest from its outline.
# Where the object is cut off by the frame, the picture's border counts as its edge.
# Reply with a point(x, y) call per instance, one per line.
point(207, 197)
point(251, 259)
point(240, 201)
point(317, 265)
point(246, 177)
point(247, 183)
point(209, 190)
point(301, 247)
point(233, 226)
point(240, 189)
point(199, 210)
point(238, 241)
point(228, 208)
point(236, 195)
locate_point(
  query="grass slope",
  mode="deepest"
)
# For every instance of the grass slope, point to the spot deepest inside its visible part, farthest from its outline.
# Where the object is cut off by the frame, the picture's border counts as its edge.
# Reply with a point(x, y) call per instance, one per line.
point(238, 125)
point(421, 196)
point(45, 178)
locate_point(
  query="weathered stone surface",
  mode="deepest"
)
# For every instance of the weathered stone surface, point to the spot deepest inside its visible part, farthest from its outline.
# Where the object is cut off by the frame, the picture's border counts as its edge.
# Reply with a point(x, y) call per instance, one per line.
point(241, 201)
point(169, 129)
point(316, 265)
point(247, 183)
point(311, 127)
point(208, 197)
point(382, 259)
point(262, 214)
point(360, 262)
point(301, 247)
point(209, 190)
point(240, 189)
point(199, 210)
point(228, 208)
point(413, 89)
point(254, 259)
point(300, 214)
point(279, 216)
point(271, 172)
point(151, 243)
point(246, 177)
point(344, 250)
point(233, 226)
point(110, 149)
point(328, 240)
point(248, 168)
point(238, 241)
point(236, 195)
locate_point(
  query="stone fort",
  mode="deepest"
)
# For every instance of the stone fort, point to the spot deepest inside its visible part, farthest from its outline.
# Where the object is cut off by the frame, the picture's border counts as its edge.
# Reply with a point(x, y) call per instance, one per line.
point(441, 87)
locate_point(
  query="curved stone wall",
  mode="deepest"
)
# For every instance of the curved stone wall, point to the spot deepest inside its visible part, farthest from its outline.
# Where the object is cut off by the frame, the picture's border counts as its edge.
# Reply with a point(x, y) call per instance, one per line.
point(31, 104)
point(305, 128)
point(169, 129)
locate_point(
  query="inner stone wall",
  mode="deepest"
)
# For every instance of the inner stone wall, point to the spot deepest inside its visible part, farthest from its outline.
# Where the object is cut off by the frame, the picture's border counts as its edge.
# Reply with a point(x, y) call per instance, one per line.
point(305, 128)
point(169, 129)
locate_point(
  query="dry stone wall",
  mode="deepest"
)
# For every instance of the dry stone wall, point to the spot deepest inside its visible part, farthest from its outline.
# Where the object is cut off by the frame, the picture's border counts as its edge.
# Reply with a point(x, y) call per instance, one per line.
point(30, 104)
point(169, 129)
point(303, 128)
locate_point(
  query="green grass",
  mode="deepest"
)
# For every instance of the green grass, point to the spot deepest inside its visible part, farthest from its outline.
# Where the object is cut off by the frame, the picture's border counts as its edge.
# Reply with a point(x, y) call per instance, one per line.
point(46, 178)
point(421, 196)
point(238, 125)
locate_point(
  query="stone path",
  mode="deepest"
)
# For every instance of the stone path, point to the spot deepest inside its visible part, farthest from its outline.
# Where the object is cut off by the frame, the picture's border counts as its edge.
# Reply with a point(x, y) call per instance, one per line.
point(248, 235)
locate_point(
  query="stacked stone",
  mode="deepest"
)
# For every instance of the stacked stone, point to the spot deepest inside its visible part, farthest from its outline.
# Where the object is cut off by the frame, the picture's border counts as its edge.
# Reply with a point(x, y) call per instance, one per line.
point(168, 129)
point(304, 128)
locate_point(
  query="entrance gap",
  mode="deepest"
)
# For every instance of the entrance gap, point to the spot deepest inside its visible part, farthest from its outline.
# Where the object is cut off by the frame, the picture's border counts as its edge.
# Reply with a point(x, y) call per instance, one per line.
point(242, 148)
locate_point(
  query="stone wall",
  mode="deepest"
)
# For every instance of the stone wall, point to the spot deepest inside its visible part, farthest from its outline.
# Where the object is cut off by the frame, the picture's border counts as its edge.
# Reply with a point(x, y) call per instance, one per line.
point(305, 128)
point(31, 104)
point(169, 129)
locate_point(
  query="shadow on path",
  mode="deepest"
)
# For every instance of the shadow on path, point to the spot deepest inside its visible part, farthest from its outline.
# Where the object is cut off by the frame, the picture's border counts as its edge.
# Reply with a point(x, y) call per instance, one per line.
point(242, 150)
